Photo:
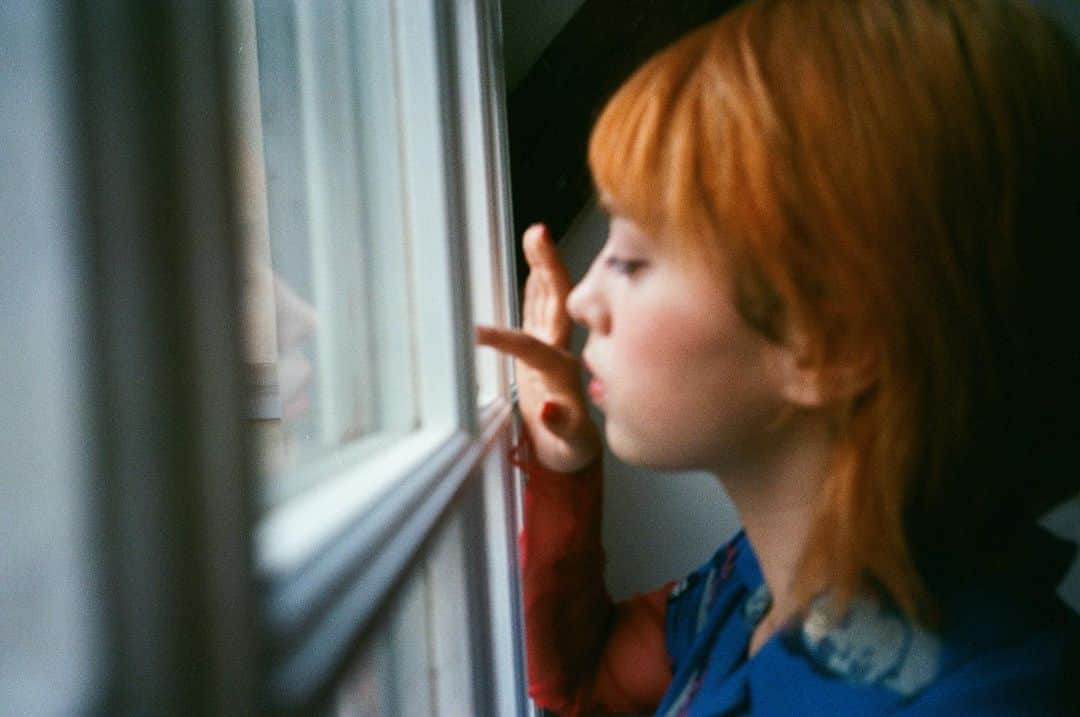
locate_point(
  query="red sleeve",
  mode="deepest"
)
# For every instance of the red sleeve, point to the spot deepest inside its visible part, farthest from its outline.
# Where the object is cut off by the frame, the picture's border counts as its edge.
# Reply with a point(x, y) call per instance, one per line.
point(583, 651)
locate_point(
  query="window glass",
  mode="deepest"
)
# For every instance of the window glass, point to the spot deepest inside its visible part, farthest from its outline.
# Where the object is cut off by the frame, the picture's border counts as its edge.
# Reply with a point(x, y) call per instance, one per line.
point(358, 274)
point(355, 261)
point(326, 280)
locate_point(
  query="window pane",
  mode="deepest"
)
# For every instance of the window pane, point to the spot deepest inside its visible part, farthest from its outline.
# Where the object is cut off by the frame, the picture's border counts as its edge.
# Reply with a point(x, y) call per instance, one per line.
point(452, 633)
point(420, 660)
point(392, 676)
point(326, 280)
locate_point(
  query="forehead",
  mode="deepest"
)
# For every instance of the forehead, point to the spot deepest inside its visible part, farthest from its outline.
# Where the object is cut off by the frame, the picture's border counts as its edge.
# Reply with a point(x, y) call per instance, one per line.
point(627, 229)
point(629, 225)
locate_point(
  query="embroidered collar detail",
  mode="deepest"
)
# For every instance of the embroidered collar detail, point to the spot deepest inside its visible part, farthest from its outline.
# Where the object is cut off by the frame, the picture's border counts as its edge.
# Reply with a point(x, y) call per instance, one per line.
point(756, 605)
point(870, 645)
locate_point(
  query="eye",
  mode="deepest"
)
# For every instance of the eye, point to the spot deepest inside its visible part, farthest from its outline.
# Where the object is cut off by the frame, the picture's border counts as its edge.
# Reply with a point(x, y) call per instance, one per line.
point(627, 267)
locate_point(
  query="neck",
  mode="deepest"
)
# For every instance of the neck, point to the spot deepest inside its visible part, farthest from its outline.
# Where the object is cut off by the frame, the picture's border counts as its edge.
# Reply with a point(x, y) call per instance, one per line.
point(776, 501)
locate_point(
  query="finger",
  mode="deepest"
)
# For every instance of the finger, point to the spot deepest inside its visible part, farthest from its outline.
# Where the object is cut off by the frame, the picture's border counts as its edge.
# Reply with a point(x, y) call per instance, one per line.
point(532, 351)
point(541, 254)
point(530, 241)
point(544, 313)
point(535, 295)
point(546, 289)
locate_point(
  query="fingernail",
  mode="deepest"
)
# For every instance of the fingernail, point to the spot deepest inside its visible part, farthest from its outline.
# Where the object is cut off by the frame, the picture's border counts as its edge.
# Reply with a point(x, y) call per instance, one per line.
point(549, 412)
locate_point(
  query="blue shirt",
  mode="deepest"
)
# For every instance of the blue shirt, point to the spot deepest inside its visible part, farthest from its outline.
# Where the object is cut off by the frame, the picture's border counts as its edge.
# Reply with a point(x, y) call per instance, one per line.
point(1000, 653)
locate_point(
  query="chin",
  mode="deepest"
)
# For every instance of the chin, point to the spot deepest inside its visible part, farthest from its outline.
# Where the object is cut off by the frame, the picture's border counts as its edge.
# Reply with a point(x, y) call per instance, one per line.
point(654, 454)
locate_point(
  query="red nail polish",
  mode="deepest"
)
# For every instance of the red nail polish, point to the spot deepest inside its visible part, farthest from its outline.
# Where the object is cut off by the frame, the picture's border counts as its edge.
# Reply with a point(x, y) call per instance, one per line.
point(549, 411)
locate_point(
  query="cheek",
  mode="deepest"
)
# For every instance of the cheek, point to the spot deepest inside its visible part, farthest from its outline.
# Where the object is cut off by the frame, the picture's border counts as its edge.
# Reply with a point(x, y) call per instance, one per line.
point(654, 354)
point(675, 351)
point(662, 363)
point(690, 386)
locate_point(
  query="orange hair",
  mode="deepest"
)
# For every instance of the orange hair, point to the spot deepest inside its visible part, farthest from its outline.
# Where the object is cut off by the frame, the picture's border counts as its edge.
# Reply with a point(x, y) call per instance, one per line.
point(897, 179)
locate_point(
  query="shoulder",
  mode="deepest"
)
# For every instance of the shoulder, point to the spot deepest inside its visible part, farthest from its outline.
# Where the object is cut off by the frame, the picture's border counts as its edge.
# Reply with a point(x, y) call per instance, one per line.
point(1011, 646)
point(876, 658)
point(1034, 676)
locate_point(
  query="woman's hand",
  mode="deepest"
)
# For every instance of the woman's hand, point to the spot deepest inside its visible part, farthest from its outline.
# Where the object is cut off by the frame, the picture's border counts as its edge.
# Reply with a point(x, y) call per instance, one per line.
point(550, 398)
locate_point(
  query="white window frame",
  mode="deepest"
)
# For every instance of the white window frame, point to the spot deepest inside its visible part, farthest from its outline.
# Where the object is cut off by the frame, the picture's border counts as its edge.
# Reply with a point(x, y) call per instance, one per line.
point(329, 559)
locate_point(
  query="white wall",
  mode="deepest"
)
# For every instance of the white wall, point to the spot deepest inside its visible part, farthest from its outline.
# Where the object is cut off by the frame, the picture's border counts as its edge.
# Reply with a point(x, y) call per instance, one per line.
point(657, 527)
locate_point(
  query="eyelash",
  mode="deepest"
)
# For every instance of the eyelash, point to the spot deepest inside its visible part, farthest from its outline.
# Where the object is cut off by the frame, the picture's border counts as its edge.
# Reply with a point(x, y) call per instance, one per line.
point(627, 267)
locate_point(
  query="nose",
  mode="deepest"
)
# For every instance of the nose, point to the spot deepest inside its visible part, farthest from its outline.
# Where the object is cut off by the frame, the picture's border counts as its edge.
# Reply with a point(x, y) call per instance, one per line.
point(586, 305)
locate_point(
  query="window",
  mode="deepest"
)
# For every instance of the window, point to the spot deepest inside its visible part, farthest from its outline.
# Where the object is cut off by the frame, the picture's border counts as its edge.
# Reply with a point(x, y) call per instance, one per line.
point(285, 478)
point(375, 236)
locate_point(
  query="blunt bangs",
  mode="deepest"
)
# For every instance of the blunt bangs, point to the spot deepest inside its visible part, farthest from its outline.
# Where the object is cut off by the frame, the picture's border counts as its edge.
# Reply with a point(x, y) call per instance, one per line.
point(644, 151)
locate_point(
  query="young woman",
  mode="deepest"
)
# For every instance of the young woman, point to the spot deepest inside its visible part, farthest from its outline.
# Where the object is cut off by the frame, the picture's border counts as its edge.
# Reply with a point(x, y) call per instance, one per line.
point(839, 276)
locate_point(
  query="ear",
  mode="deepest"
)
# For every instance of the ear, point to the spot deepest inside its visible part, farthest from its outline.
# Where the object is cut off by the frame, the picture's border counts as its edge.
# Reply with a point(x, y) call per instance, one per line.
point(807, 386)
point(800, 384)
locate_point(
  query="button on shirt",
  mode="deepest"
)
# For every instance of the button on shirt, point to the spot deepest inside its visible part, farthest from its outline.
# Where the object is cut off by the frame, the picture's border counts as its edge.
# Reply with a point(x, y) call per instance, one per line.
point(995, 658)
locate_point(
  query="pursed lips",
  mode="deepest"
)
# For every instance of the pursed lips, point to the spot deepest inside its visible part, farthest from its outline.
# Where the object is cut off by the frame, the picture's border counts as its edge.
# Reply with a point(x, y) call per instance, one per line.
point(596, 386)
